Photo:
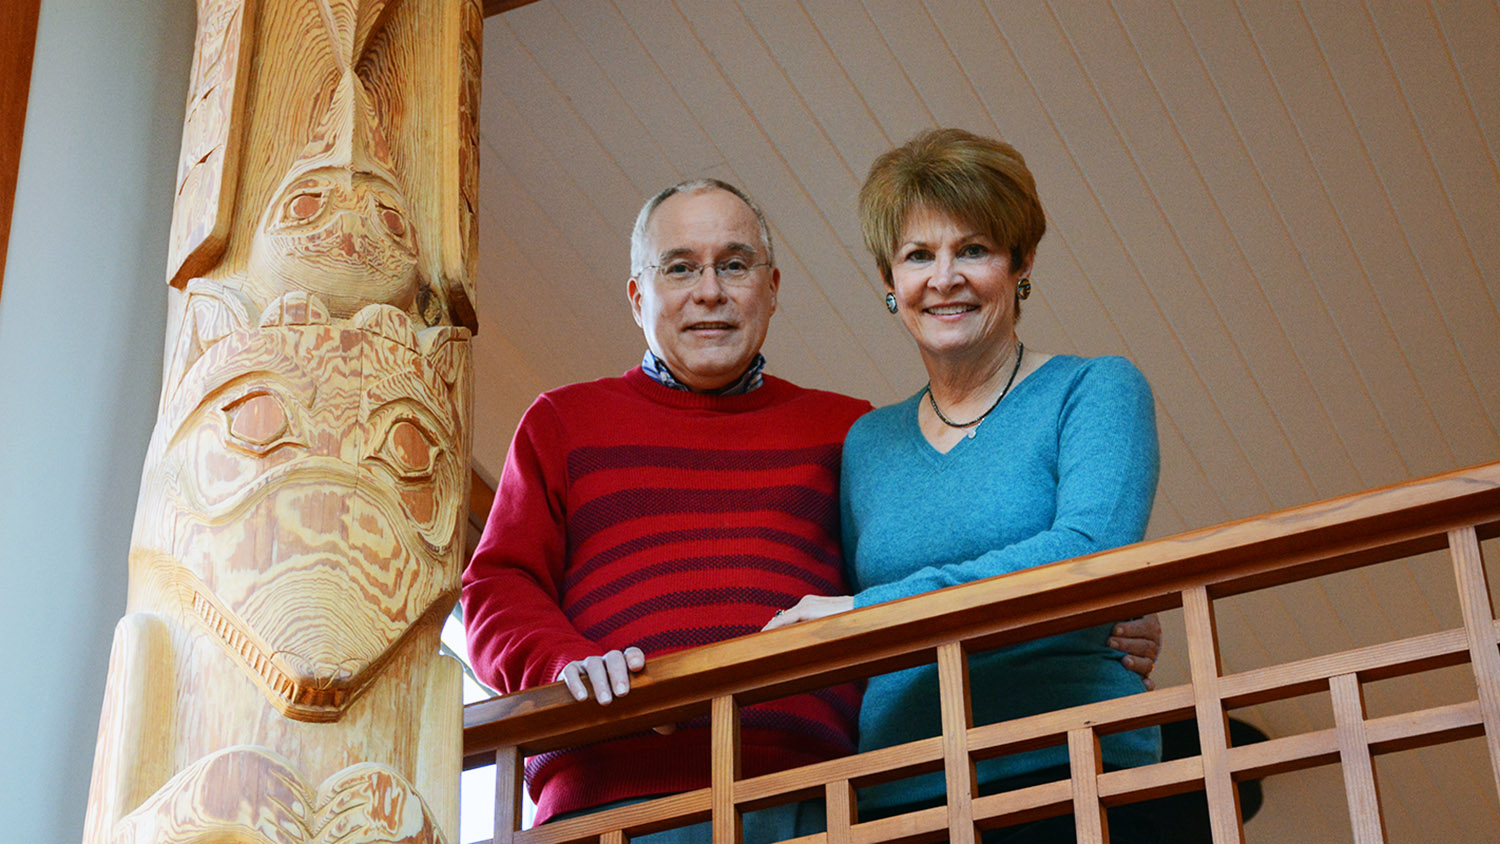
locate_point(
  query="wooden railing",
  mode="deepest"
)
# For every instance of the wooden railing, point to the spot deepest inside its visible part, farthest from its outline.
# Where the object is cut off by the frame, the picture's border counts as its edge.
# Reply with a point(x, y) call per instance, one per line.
point(1453, 511)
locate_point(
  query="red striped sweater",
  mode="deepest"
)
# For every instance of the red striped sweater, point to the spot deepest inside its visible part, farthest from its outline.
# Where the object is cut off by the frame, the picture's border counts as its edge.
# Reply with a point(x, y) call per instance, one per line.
point(629, 513)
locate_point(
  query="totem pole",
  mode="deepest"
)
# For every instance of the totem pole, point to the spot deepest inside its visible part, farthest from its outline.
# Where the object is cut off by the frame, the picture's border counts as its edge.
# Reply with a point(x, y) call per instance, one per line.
point(297, 541)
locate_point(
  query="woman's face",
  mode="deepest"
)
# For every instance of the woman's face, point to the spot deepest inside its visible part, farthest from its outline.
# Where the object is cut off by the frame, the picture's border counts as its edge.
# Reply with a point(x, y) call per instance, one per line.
point(955, 288)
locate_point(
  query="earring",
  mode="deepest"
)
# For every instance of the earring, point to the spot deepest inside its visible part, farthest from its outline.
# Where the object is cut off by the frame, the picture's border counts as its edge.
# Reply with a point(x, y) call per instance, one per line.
point(1023, 289)
point(890, 302)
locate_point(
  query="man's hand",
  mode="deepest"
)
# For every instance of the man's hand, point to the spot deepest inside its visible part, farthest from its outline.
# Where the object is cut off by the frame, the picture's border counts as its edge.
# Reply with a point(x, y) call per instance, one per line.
point(1140, 639)
point(608, 674)
point(809, 608)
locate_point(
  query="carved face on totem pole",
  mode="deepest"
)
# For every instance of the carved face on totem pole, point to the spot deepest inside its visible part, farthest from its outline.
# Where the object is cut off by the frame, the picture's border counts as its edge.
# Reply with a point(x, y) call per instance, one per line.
point(303, 486)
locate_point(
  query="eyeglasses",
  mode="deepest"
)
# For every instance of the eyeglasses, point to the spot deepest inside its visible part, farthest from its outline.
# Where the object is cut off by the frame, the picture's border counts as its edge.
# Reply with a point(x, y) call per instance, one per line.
point(733, 272)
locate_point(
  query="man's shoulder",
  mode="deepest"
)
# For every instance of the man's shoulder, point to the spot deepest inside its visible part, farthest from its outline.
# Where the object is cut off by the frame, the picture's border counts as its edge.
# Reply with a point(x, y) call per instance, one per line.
point(586, 391)
point(831, 401)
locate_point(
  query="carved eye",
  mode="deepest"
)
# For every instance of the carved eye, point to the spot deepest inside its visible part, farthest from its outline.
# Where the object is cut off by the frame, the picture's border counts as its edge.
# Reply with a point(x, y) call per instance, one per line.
point(257, 422)
point(393, 221)
point(409, 450)
point(304, 206)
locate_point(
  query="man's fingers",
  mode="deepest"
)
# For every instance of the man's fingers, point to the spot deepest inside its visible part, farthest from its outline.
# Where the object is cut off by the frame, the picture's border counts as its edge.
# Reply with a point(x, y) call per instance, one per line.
point(618, 673)
point(573, 681)
point(635, 658)
point(598, 678)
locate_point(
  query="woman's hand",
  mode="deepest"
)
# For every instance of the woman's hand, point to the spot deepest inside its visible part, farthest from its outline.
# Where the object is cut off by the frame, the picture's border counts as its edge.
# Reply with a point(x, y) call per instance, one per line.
point(1140, 639)
point(809, 608)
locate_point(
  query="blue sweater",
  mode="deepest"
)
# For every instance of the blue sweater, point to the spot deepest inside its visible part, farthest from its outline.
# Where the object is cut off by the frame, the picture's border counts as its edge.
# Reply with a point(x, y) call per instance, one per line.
point(1066, 465)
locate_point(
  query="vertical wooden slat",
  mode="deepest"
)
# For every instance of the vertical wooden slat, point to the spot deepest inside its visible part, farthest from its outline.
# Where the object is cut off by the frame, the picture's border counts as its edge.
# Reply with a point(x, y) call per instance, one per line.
point(1479, 621)
point(1365, 817)
point(953, 686)
point(1213, 726)
point(616, 837)
point(839, 797)
point(508, 783)
point(725, 768)
point(1085, 765)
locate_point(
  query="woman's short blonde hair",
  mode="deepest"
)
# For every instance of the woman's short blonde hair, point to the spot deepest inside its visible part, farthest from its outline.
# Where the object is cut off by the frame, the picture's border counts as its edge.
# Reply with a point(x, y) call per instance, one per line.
point(979, 181)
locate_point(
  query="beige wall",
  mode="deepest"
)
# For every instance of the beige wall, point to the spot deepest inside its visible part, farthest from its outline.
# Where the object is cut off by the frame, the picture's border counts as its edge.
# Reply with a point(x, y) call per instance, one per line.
point(81, 328)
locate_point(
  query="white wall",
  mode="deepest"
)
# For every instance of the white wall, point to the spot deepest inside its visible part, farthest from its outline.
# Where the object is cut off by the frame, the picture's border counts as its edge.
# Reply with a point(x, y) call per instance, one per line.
point(81, 334)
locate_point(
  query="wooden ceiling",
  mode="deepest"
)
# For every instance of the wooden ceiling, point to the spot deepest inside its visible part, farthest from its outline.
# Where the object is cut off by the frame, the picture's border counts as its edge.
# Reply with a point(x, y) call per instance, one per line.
point(1284, 212)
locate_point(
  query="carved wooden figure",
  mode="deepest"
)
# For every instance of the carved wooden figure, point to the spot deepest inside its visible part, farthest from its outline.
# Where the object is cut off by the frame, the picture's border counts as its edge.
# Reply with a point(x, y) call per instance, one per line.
point(297, 540)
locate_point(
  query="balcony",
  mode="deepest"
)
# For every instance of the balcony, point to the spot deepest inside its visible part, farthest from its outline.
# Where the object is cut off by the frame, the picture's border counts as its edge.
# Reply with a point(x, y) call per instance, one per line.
point(1449, 513)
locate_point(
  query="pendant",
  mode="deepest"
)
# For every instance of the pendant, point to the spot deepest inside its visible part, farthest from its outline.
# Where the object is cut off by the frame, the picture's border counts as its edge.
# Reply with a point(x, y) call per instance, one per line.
point(973, 431)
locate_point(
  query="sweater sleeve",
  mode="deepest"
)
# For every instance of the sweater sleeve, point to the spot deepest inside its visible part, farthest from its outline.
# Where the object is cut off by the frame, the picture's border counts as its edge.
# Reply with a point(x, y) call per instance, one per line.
point(518, 635)
point(1107, 465)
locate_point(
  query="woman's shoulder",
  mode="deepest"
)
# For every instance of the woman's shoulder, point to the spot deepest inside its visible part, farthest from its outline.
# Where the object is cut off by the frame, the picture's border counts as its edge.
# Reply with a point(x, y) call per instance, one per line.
point(882, 423)
point(1073, 371)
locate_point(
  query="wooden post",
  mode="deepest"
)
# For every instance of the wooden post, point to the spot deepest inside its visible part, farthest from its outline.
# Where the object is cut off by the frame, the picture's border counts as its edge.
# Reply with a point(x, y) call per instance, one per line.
point(1479, 624)
point(958, 765)
point(1085, 765)
point(509, 780)
point(840, 803)
point(1213, 722)
point(1354, 757)
point(298, 536)
point(724, 761)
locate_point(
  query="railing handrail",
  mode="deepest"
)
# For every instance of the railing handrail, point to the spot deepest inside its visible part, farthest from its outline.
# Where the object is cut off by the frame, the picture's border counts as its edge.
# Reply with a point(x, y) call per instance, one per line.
point(1291, 544)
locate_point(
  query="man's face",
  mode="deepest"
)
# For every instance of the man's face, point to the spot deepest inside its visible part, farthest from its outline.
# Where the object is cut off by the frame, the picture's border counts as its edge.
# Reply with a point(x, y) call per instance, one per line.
point(706, 332)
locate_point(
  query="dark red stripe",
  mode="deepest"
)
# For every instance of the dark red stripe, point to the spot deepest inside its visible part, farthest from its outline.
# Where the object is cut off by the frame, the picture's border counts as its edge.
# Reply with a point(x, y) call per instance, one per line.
point(582, 461)
point(769, 598)
point(800, 502)
point(577, 604)
point(581, 569)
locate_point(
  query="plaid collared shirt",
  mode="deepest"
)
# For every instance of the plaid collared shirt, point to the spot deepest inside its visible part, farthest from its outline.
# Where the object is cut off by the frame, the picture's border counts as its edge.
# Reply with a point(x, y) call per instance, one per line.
point(747, 382)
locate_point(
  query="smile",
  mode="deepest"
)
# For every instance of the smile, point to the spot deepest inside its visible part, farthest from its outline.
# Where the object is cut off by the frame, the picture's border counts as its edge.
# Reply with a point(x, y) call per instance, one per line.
point(950, 310)
point(711, 326)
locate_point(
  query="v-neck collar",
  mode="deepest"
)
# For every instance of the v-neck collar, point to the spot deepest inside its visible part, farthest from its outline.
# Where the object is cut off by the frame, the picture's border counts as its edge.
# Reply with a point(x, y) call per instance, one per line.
point(942, 459)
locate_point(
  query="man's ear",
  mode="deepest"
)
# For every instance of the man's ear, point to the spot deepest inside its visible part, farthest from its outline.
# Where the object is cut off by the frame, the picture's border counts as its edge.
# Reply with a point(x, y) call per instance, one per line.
point(633, 292)
point(775, 286)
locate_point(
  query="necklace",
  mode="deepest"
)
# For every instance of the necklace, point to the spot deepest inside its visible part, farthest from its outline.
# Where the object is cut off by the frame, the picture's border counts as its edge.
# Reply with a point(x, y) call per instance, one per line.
point(973, 425)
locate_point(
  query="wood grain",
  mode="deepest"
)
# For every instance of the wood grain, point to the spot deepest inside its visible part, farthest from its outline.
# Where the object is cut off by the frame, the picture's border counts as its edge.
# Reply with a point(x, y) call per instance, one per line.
point(1360, 790)
point(1213, 721)
point(958, 766)
point(1479, 619)
point(1085, 765)
point(724, 762)
point(509, 772)
point(298, 536)
point(838, 798)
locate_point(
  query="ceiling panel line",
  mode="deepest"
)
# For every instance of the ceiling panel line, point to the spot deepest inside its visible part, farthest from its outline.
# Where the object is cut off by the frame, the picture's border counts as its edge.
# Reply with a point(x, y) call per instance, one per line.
point(727, 80)
point(1187, 257)
point(1134, 269)
point(1243, 259)
point(1393, 206)
point(1350, 247)
point(1288, 231)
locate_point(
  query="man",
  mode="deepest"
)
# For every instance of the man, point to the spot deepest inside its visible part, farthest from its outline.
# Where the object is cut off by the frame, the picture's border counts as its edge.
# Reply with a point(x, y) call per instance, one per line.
point(682, 503)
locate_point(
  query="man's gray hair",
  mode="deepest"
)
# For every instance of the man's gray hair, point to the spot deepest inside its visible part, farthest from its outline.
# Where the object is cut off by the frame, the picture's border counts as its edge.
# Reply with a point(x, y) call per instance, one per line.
point(638, 257)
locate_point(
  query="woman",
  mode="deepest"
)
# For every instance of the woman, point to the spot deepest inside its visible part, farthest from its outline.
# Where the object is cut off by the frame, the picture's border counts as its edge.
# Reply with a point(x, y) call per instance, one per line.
point(1010, 458)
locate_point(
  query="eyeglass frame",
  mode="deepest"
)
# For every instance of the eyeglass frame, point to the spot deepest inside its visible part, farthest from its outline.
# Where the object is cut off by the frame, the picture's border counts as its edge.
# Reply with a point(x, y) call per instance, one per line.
point(697, 272)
